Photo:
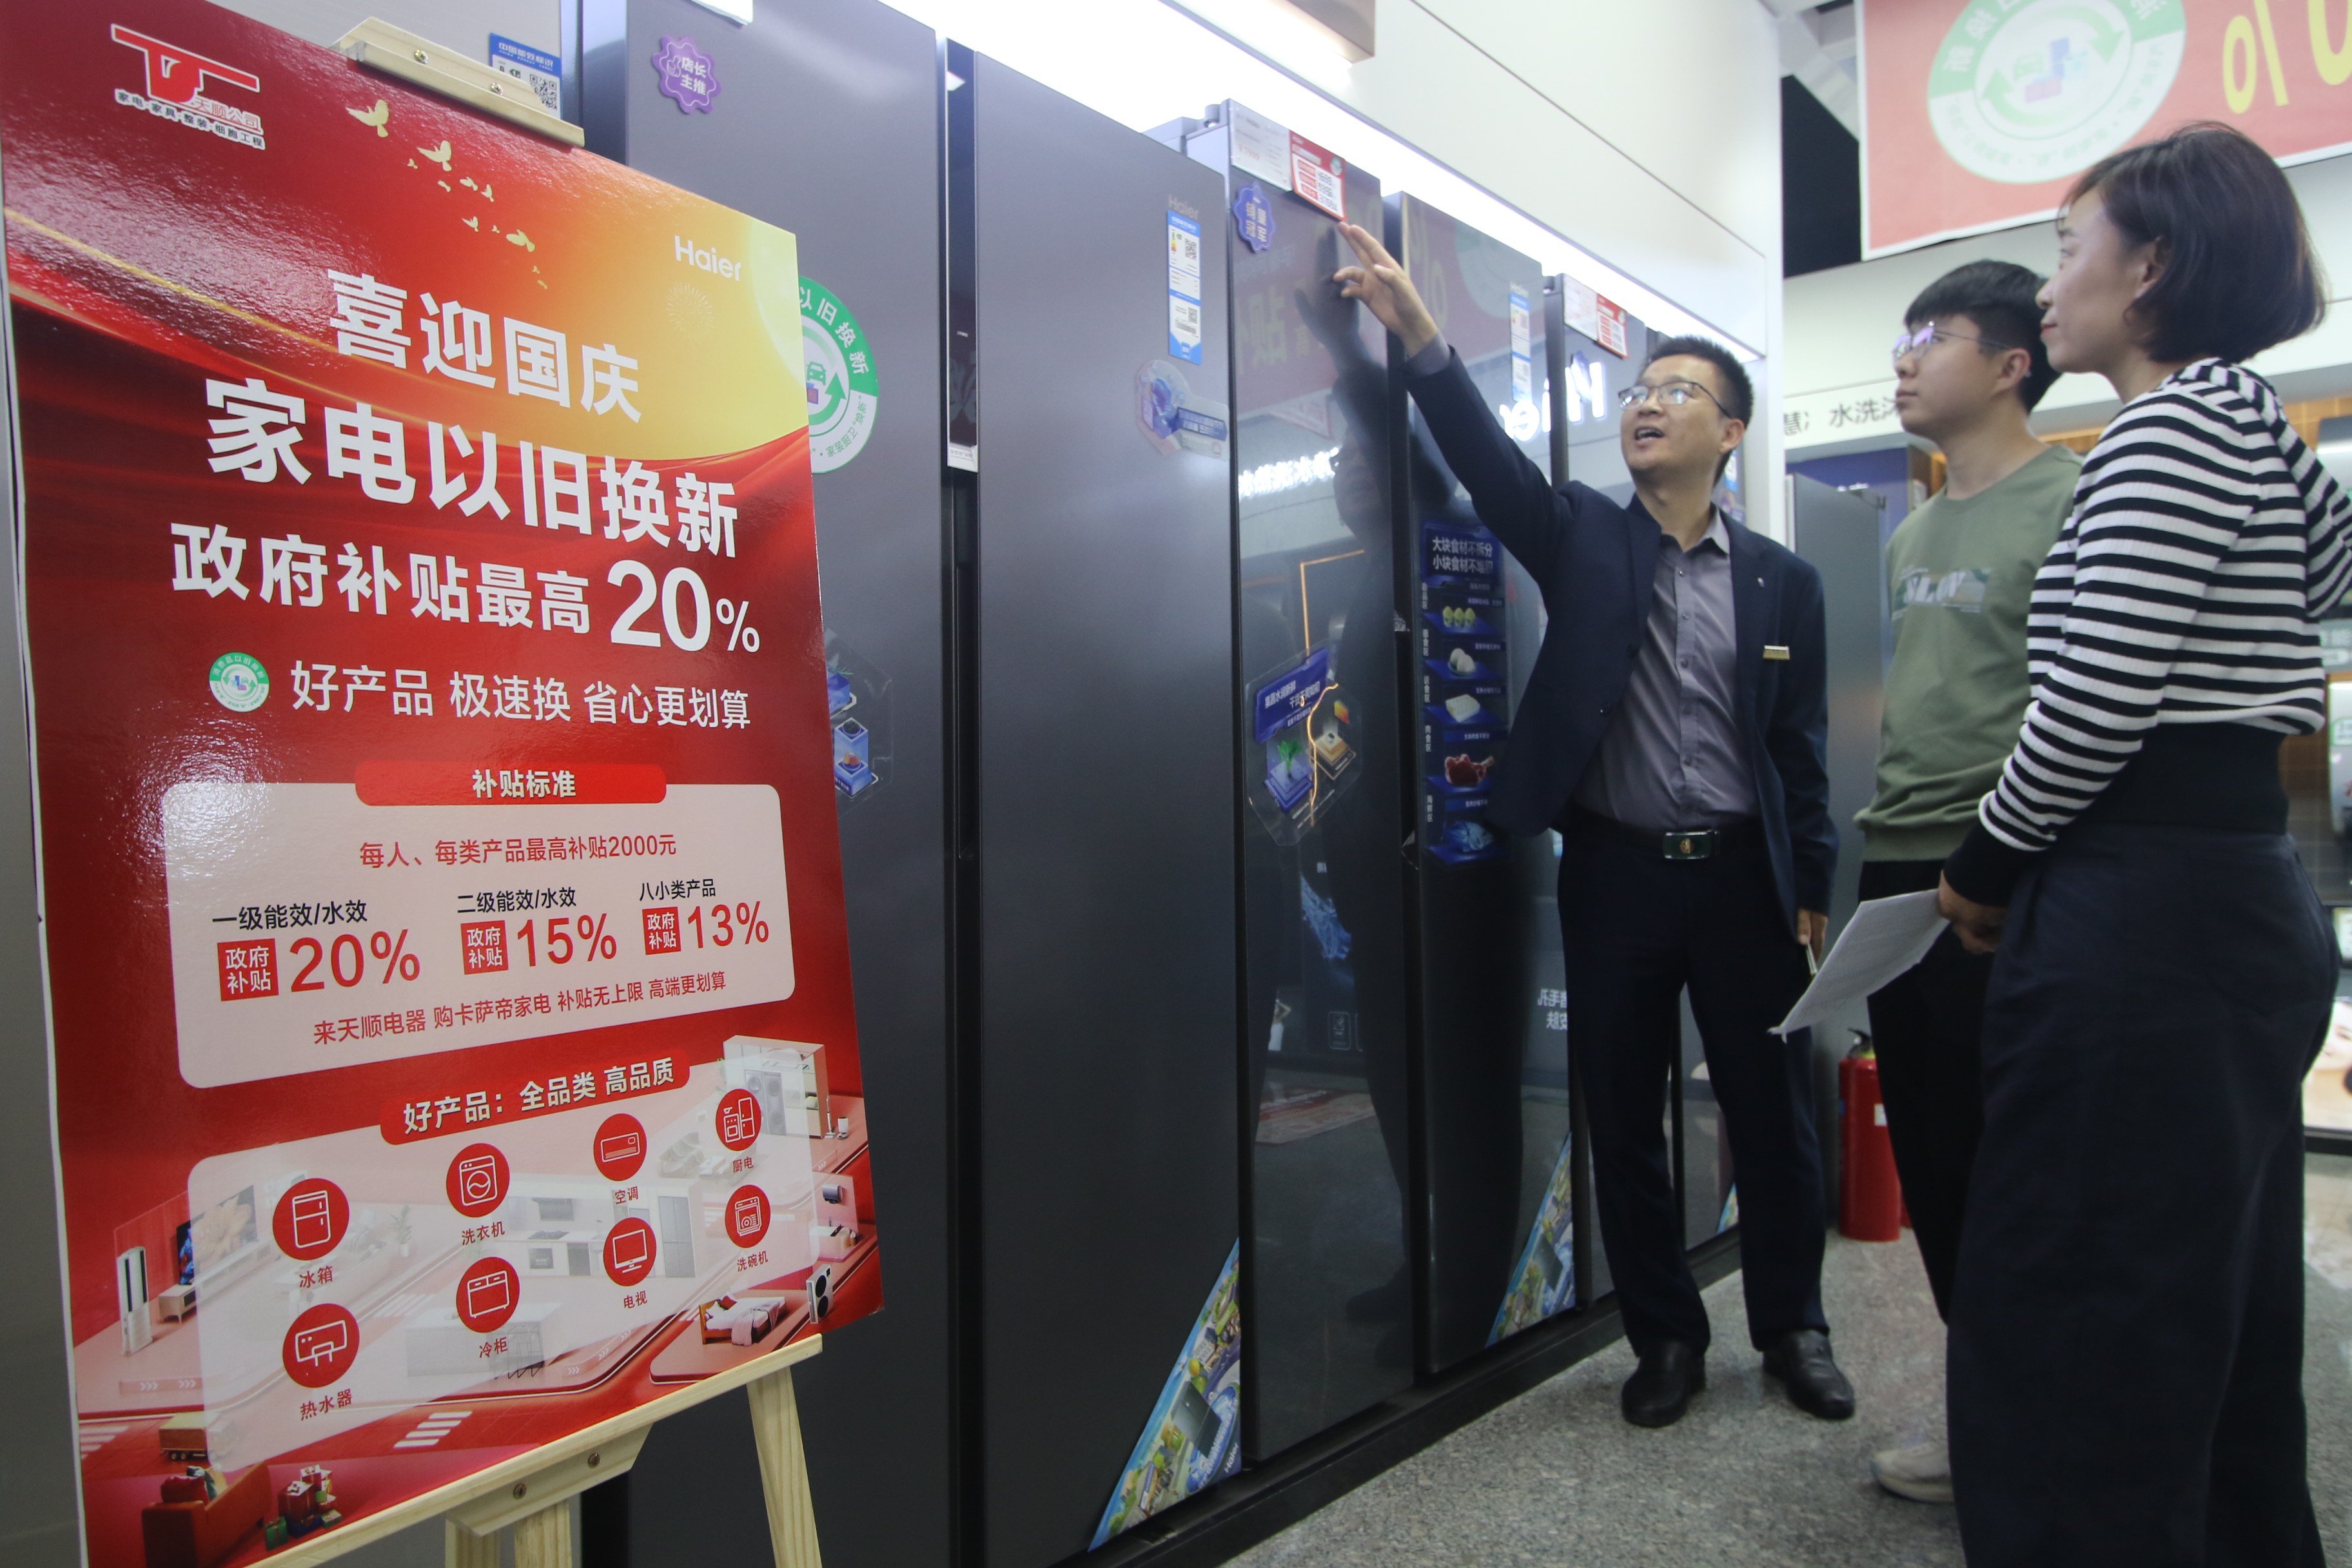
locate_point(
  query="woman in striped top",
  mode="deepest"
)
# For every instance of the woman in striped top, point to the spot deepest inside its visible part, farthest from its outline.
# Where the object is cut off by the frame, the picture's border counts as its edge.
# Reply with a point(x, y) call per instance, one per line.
point(2126, 1331)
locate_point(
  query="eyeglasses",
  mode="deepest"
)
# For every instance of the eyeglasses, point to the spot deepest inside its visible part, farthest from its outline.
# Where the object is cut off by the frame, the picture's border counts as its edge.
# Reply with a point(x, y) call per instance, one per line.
point(1908, 344)
point(1671, 395)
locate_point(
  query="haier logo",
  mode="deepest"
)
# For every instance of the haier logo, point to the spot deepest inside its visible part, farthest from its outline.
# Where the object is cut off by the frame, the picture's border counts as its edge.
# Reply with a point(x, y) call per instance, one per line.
point(175, 84)
point(704, 260)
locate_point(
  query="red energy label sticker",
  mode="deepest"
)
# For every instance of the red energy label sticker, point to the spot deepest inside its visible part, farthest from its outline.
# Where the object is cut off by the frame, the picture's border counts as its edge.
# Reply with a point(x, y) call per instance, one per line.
point(1319, 177)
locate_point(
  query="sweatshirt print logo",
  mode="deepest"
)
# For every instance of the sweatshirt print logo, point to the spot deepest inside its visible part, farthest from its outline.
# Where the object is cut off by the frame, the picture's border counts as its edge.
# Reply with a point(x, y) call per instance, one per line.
point(1960, 590)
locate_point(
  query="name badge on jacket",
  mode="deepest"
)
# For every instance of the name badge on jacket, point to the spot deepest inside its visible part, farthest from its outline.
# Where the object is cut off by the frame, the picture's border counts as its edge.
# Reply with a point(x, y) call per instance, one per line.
point(1776, 650)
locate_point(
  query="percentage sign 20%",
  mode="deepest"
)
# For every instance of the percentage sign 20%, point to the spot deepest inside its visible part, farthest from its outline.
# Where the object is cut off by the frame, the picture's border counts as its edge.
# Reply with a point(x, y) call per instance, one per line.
point(346, 963)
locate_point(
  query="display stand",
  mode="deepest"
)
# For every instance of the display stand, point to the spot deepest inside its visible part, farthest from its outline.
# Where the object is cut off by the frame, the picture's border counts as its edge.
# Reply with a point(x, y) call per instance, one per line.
point(525, 1495)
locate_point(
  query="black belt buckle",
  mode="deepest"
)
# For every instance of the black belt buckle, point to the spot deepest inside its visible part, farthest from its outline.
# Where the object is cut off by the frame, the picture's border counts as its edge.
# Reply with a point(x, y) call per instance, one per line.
point(1694, 846)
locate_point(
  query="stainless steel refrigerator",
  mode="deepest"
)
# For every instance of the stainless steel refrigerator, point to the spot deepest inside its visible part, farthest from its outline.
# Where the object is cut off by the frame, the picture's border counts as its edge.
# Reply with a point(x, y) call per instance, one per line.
point(1318, 723)
point(1095, 817)
point(825, 120)
point(1498, 1197)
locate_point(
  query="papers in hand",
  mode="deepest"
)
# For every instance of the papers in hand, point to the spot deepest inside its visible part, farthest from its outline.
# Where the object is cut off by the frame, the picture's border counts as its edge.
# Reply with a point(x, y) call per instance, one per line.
point(1886, 937)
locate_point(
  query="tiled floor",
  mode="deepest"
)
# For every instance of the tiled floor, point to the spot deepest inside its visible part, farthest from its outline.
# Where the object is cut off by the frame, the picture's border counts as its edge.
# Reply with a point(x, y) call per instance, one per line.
point(1555, 1478)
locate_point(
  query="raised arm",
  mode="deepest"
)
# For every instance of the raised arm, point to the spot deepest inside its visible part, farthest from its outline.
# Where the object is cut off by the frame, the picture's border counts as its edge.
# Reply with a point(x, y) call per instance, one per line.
point(1510, 494)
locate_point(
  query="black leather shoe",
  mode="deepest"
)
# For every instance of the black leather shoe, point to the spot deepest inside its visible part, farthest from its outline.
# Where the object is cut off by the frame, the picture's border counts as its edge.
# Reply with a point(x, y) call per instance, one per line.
point(1801, 1360)
point(1660, 1388)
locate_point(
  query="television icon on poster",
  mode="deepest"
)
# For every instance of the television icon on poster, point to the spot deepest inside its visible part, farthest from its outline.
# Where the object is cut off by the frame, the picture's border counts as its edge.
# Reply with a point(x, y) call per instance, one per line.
point(478, 1178)
point(489, 1294)
point(633, 1249)
point(322, 1345)
point(620, 1147)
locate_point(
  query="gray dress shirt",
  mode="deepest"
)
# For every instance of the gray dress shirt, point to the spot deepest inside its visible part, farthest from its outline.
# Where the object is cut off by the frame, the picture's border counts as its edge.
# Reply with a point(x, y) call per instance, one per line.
point(1673, 758)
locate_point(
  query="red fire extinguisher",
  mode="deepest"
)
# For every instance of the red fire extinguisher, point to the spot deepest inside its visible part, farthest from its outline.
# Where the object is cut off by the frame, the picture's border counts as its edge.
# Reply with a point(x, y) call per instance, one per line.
point(1870, 1196)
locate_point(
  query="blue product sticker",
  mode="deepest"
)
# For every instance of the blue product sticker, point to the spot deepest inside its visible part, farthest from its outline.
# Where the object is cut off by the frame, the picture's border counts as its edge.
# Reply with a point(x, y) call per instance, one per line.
point(1290, 696)
point(1254, 219)
point(535, 69)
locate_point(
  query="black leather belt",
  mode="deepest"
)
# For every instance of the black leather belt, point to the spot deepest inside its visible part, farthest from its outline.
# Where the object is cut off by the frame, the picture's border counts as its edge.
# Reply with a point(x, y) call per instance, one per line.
point(1682, 844)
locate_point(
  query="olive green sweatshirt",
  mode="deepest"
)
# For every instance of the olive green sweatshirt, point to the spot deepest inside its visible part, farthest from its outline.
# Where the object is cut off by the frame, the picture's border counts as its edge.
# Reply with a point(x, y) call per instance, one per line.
point(1959, 578)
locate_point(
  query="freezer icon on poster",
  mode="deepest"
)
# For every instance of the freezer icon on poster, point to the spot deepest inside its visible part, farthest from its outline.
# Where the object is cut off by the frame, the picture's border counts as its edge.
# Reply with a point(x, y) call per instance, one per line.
point(488, 1293)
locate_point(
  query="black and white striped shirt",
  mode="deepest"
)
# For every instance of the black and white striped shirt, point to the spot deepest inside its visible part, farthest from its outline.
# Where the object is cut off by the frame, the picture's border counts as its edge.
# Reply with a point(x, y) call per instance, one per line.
point(2205, 540)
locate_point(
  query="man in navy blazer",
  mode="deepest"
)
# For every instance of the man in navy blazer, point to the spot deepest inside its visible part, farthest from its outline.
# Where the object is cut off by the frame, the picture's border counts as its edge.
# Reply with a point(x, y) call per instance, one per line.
point(1672, 733)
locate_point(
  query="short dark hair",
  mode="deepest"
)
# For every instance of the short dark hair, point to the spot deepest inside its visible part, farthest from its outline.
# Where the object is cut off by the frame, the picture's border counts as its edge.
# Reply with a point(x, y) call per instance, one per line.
point(1999, 297)
point(1739, 392)
point(2238, 274)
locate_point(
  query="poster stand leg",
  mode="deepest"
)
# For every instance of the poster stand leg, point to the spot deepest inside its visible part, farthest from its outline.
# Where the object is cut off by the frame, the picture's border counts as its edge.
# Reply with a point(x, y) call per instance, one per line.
point(535, 1510)
point(784, 1470)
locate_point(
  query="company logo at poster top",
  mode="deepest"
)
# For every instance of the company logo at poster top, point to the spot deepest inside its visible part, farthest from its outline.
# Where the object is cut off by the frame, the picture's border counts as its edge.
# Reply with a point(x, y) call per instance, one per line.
point(2023, 93)
point(175, 89)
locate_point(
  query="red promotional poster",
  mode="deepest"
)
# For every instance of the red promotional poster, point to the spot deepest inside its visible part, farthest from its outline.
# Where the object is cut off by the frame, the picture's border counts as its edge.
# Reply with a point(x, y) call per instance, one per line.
point(1978, 113)
point(451, 1029)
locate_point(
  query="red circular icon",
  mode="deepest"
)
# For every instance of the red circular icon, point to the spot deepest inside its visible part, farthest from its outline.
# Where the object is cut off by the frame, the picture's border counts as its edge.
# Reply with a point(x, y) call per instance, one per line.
point(310, 1219)
point(488, 1293)
point(620, 1147)
point(629, 1251)
point(320, 1345)
point(747, 1216)
point(738, 1118)
point(478, 1180)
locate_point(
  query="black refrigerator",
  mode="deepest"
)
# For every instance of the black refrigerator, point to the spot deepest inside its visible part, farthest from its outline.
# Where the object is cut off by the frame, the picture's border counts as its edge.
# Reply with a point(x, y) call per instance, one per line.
point(1318, 727)
point(1095, 817)
point(826, 121)
point(1499, 1189)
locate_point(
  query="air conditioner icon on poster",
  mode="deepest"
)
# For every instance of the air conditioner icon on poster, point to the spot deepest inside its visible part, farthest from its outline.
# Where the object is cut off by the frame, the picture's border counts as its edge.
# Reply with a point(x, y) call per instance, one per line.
point(738, 1122)
point(312, 1225)
point(632, 1250)
point(619, 1147)
point(488, 1294)
point(320, 1345)
point(746, 1217)
point(478, 1178)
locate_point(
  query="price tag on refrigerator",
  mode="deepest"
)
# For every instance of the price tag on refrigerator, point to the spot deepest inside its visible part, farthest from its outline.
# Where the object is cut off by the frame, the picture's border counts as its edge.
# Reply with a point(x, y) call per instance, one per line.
point(1261, 147)
point(1318, 176)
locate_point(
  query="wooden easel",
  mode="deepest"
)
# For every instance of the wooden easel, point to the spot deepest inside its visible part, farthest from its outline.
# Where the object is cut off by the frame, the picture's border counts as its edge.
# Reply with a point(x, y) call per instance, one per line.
point(526, 1495)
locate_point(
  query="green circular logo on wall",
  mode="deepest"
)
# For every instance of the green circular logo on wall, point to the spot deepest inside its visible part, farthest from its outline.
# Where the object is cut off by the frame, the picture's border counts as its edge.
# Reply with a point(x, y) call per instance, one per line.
point(239, 683)
point(2023, 93)
point(844, 395)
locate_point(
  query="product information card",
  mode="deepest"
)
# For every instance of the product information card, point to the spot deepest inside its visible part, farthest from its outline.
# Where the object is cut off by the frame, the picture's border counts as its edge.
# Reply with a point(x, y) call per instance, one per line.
point(452, 1037)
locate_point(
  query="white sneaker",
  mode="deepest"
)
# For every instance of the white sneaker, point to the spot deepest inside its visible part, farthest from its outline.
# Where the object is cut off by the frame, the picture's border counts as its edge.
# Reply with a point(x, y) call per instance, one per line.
point(1922, 1472)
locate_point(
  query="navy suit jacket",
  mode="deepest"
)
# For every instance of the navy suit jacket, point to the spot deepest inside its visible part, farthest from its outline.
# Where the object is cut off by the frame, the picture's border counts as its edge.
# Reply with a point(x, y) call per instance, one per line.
point(1596, 562)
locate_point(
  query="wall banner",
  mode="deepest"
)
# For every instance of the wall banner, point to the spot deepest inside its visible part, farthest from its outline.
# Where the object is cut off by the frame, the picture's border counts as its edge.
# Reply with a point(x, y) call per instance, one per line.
point(1978, 113)
point(452, 1039)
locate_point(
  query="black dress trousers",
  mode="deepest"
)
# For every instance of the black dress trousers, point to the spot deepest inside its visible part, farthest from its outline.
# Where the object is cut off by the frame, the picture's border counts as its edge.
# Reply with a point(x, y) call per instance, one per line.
point(1638, 929)
point(2126, 1361)
point(1927, 1024)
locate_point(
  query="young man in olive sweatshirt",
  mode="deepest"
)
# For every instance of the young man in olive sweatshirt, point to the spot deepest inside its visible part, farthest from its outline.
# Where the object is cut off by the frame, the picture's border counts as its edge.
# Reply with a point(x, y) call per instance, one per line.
point(1968, 366)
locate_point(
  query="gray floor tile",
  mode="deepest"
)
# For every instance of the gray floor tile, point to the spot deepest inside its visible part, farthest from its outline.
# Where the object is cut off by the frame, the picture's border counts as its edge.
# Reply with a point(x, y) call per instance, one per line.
point(1556, 1479)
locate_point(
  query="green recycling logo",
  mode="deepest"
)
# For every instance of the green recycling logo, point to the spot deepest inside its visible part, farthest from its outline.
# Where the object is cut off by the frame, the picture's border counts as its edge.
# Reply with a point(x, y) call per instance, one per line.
point(844, 395)
point(2025, 93)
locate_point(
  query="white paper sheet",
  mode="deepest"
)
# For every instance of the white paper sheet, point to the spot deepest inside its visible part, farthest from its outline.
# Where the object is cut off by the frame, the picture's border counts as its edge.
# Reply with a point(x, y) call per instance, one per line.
point(1886, 937)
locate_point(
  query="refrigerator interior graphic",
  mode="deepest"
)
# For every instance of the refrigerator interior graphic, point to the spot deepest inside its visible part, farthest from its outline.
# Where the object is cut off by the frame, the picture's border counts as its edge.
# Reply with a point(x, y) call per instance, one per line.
point(860, 188)
point(1492, 1064)
point(1094, 602)
point(1318, 730)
